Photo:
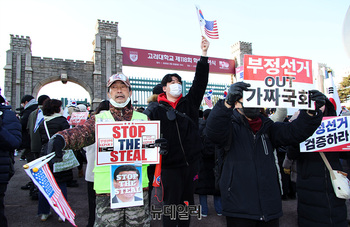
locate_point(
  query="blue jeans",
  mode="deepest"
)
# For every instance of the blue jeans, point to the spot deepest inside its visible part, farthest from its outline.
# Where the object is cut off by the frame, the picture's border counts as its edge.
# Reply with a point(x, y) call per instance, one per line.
point(43, 205)
point(204, 204)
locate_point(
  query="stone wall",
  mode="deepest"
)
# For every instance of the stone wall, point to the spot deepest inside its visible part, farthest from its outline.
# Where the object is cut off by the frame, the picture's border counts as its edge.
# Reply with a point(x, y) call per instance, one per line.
point(27, 74)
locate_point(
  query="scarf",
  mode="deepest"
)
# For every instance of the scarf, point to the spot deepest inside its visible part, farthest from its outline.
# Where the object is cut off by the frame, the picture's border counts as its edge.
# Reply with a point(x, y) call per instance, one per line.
point(255, 124)
point(123, 114)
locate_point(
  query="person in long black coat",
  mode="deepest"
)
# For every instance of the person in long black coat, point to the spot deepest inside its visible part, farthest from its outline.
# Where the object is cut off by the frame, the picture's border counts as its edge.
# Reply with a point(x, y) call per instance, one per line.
point(10, 139)
point(206, 178)
point(317, 203)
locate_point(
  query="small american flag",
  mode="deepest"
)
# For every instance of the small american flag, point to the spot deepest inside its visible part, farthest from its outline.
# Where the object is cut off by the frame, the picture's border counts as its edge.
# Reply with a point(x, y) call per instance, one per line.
point(207, 99)
point(211, 29)
point(46, 182)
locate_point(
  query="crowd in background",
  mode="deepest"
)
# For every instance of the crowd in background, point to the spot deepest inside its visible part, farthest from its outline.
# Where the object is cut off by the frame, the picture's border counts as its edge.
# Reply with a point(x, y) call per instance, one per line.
point(248, 159)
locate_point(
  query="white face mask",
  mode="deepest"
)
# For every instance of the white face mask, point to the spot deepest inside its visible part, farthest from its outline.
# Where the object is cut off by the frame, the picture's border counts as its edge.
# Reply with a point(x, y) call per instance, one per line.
point(119, 105)
point(175, 90)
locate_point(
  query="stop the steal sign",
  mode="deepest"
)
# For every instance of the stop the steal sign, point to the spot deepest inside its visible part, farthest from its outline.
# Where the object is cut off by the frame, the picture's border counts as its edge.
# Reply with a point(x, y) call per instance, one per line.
point(127, 142)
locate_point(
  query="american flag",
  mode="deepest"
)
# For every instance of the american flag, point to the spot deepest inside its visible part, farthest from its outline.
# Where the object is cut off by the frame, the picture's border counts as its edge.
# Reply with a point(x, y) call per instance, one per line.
point(46, 182)
point(207, 98)
point(210, 27)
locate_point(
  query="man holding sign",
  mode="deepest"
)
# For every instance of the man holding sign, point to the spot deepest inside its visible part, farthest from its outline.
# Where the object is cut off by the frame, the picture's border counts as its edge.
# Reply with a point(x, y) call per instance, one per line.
point(121, 109)
point(249, 182)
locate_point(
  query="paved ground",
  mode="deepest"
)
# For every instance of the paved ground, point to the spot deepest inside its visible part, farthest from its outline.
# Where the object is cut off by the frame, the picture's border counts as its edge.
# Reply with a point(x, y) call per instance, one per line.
point(21, 211)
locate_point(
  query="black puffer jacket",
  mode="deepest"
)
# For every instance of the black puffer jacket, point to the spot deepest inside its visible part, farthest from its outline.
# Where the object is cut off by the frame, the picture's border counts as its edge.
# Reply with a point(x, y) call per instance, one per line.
point(10, 139)
point(55, 125)
point(249, 183)
point(317, 202)
point(189, 105)
point(206, 179)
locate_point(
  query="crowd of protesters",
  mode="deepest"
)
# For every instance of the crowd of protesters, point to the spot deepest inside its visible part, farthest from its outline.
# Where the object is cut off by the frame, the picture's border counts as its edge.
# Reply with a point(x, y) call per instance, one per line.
point(254, 147)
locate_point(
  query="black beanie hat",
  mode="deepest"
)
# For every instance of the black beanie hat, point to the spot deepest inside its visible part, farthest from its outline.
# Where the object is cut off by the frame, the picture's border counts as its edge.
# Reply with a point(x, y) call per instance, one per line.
point(26, 98)
point(42, 98)
point(158, 89)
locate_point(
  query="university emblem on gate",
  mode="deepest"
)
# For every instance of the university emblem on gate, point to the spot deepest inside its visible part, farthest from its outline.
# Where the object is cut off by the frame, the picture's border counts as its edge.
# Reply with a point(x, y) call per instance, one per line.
point(134, 56)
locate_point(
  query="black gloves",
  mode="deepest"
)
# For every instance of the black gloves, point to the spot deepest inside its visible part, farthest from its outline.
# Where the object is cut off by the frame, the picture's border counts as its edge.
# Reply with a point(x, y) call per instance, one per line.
point(319, 98)
point(56, 144)
point(236, 92)
point(162, 143)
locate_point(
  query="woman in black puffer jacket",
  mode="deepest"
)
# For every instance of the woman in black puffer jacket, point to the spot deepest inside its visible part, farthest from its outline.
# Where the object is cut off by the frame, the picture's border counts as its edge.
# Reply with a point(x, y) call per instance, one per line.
point(317, 202)
point(55, 122)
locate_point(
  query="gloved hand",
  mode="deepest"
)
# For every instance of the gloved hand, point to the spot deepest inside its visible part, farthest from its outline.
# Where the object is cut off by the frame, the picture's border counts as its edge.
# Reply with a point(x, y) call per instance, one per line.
point(56, 144)
point(286, 171)
point(319, 98)
point(162, 143)
point(236, 92)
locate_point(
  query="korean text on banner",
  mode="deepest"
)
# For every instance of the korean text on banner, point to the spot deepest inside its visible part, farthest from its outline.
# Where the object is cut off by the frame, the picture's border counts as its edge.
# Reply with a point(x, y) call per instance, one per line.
point(278, 82)
point(332, 135)
point(78, 118)
point(126, 142)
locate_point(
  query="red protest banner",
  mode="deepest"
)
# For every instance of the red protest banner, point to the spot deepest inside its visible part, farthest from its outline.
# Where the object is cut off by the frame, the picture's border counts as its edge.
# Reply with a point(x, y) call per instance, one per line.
point(78, 118)
point(260, 67)
point(167, 60)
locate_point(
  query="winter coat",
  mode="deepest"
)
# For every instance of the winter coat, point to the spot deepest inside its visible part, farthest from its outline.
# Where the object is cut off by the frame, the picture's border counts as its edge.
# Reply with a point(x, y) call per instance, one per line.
point(54, 125)
point(24, 122)
point(249, 183)
point(206, 179)
point(317, 202)
point(35, 139)
point(187, 151)
point(10, 139)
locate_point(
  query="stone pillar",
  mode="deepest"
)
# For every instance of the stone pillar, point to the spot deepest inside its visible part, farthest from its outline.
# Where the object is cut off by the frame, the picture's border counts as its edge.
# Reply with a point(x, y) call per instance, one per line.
point(119, 55)
point(107, 56)
point(238, 50)
point(28, 71)
point(18, 80)
point(6, 90)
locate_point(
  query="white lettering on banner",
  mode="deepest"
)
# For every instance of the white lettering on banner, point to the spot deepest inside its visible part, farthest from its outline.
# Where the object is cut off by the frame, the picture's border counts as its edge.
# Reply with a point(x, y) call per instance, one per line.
point(272, 66)
point(331, 135)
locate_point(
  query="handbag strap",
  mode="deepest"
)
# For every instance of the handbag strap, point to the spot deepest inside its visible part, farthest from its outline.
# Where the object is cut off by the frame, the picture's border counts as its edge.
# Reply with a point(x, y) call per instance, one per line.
point(325, 160)
point(47, 131)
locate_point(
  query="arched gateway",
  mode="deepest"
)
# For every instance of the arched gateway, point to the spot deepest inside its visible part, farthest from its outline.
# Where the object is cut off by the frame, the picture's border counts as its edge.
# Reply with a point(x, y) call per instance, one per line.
point(27, 74)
